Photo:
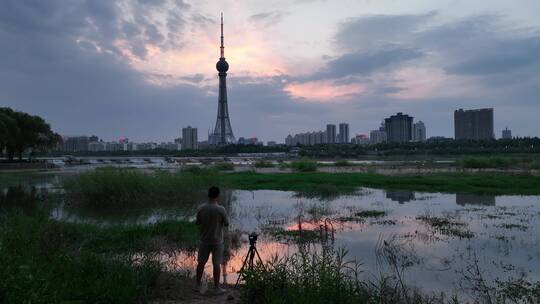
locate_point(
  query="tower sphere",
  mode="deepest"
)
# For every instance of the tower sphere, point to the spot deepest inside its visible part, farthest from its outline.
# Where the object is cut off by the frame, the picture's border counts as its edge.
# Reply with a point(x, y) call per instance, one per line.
point(222, 65)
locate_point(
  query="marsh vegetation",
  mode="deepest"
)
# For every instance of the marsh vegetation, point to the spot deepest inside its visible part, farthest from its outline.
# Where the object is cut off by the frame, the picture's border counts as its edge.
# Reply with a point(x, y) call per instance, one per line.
point(413, 235)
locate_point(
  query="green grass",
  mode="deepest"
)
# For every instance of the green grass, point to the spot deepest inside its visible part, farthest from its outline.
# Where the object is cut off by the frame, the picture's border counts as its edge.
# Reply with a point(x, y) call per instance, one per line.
point(223, 166)
point(499, 162)
point(263, 164)
point(8, 179)
point(343, 163)
point(295, 236)
point(304, 165)
point(322, 277)
point(370, 213)
point(47, 261)
point(113, 188)
point(130, 237)
point(349, 182)
point(535, 165)
point(489, 162)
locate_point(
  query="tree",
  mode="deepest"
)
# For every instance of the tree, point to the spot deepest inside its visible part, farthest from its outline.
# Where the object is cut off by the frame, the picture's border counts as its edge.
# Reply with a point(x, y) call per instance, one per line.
point(9, 131)
point(20, 132)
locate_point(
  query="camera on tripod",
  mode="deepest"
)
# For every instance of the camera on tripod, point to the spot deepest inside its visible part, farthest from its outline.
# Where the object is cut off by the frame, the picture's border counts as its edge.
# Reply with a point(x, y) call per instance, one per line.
point(249, 262)
point(252, 238)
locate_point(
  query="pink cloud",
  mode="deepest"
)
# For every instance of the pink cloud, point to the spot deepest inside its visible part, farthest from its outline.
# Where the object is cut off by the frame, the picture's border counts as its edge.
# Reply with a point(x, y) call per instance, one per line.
point(324, 91)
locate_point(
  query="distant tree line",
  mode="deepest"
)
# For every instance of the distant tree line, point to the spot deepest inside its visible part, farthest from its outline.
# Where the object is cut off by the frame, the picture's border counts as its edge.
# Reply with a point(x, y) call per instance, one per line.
point(229, 150)
point(21, 132)
point(431, 147)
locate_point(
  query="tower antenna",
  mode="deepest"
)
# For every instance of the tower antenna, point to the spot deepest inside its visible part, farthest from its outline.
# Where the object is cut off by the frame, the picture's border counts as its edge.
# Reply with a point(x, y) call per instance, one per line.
point(222, 47)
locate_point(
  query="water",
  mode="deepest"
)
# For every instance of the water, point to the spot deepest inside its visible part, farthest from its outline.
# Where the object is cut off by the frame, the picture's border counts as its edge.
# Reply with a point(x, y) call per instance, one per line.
point(437, 239)
point(499, 234)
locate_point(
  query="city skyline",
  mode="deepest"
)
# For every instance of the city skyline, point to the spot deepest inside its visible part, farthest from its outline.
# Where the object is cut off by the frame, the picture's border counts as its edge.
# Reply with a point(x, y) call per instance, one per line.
point(88, 67)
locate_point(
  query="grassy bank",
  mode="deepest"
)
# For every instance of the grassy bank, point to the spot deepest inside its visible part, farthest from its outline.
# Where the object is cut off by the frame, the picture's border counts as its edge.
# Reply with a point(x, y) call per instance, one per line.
point(349, 182)
point(328, 277)
point(8, 179)
point(113, 188)
point(47, 261)
point(499, 162)
point(123, 189)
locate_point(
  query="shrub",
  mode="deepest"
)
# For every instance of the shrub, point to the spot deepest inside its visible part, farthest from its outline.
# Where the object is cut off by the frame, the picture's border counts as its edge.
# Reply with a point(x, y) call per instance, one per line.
point(263, 164)
point(343, 163)
point(115, 188)
point(304, 165)
point(223, 166)
point(535, 165)
point(43, 262)
point(487, 162)
point(304, 278)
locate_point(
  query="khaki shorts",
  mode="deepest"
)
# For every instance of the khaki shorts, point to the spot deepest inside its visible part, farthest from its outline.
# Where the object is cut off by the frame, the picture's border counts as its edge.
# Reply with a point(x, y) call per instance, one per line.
point(206, 249)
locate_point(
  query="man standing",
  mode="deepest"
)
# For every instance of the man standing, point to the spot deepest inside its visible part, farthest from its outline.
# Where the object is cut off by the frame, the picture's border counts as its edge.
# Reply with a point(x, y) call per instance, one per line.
point(211, 218)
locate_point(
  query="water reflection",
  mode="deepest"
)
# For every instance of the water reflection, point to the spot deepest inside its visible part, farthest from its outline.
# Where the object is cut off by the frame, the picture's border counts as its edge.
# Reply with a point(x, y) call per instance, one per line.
point(475, 199)
point(20, 198)
point(431, 254)
point(401, 196)
point(506, 231)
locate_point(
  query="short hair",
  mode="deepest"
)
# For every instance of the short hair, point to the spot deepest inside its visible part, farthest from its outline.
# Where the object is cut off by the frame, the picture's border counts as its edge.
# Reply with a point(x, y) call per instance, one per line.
point(213, 192)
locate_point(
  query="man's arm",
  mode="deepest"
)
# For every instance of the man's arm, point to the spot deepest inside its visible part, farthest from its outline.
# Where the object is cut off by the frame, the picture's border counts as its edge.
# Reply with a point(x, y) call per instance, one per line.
point(225, 218)
point(198, 218)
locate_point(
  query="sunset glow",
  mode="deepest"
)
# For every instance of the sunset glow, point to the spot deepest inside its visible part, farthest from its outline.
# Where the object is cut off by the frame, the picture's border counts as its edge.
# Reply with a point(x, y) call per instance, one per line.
point(323, 91)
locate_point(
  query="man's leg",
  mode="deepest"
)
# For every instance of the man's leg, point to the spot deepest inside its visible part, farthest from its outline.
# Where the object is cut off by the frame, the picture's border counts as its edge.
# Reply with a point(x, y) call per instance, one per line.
point(202, 258)
point(217, 257)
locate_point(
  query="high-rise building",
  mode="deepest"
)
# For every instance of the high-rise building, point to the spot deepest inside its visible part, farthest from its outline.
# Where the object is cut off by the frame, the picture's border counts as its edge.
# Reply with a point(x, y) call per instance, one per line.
point(223, 134)
point(419, 131)
point(360, 139)
point(399, 128)
point(331, 134)
point(189, 138)
point(378, 136)
point(75, 143)
point(253, 141)
point(96, 146)
point(306, 139)
point(344, 137)
point(506, 134)
point(289, 140)
point(473, 124)
point(114, 146)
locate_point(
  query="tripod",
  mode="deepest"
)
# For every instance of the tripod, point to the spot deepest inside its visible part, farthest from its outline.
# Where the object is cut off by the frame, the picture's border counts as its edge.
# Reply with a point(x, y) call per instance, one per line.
point(250, 256)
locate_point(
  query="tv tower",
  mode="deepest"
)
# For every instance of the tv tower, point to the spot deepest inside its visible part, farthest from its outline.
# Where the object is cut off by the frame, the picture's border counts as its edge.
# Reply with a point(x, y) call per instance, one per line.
point(223, 134)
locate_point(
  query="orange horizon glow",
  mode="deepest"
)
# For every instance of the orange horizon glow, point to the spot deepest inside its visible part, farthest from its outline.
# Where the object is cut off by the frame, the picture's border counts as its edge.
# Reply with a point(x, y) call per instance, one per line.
point(323, 91)
point(247, 54)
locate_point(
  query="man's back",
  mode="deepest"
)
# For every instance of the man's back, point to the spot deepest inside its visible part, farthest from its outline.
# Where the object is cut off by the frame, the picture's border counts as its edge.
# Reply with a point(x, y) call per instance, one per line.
point(211, 218)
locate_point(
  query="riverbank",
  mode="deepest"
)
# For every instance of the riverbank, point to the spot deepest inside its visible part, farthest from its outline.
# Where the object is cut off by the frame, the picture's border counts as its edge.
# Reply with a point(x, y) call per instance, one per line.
point(149, 258)
point(47, 261)
point(108, 183)
point(310, 182)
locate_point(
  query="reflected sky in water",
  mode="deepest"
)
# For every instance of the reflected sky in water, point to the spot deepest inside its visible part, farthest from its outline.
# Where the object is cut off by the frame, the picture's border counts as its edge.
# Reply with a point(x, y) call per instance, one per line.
point(505, 228)
point(505, 231)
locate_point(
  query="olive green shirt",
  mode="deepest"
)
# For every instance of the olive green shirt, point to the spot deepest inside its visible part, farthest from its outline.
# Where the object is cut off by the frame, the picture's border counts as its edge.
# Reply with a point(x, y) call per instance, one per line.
point(211, 219)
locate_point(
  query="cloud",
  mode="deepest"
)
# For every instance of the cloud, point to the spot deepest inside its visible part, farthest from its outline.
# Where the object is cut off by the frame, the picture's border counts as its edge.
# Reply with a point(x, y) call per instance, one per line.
point(378, 30)
point(323, 91)
point(367, 62)
point(268, 18)
point(143, 69)
point(501, 56)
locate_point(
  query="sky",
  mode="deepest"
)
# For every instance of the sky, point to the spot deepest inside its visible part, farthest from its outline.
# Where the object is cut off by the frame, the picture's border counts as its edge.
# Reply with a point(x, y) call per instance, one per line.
point(143, 69)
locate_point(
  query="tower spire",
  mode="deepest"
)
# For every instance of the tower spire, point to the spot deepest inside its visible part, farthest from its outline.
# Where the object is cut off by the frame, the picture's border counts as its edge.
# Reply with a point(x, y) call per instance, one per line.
point(223, 133)
point(222, 47)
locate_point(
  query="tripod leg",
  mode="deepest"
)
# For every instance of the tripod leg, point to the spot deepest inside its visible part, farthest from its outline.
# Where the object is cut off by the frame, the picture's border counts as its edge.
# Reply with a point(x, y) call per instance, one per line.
point(242, 268)
point(251, 257)
point(258, 256)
